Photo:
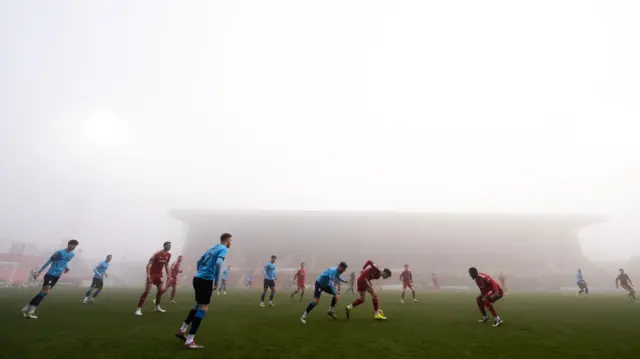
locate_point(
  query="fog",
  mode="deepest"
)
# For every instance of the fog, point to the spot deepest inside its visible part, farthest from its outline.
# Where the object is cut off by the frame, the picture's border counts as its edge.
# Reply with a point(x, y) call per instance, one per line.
point(113, 113)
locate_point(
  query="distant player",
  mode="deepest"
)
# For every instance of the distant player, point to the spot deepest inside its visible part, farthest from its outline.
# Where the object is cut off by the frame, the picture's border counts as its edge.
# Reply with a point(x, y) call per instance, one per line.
point(435, 282)
point(338, 283)
point(326, 283)
point(205, 283)
point(352, 282)
point(407, 282)
point(225, 278)
point(249, 281)
point(582, 284)
point(503, 281)
point(270, 277)
point(59, 264)
point(157, 262)
point(300, 278)
point(490, 292)
point(370, 271)
point(176, 268)
point(99, 274)
point(623, 280)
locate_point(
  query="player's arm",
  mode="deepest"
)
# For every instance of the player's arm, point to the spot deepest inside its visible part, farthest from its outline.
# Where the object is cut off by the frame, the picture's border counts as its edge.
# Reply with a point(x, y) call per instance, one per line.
point(167, 269)
point(295, 276)
point(368, 263)
point(96, 271)
point(217, 270)
point(332, 281)
point(54, 257)
point(148, 268)
point(265, 271)
point(617, 282)
point(342, 279)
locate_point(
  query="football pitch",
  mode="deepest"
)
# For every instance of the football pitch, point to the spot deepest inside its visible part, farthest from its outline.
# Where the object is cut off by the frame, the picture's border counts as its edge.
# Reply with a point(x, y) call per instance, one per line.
point(441, 325)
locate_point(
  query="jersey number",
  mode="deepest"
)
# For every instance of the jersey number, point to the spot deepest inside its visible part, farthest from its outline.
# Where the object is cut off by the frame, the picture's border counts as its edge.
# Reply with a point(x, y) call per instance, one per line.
point(207, 257)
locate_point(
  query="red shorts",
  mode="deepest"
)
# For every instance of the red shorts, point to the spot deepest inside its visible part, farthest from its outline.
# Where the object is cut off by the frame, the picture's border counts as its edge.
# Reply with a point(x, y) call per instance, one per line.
point(361, 284)
point(155, 279)
point(301, 285)
point(494, 296)
point(407, 285)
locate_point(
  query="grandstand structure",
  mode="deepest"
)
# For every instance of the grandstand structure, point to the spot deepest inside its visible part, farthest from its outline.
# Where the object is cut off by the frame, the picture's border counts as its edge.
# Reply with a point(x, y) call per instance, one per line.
point(520, 244)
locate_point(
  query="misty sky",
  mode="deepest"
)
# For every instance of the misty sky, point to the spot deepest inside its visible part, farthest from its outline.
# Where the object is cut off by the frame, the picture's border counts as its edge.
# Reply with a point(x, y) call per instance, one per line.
point(113, 112)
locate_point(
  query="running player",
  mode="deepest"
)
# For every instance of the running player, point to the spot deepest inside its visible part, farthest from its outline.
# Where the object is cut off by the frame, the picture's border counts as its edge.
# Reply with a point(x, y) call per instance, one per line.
point(59, 264)
point(407, 281)
point(582, 284)
point(157, 262)
point(205, 282)
point(99, 273)
point(270, 277)
point(325, 283)
point(503, 281)
point(176, 268)
point(249, 281)
point(626, 283)
point(300, 278)
point(225, 278)
point(370, 271)
point(490, 292)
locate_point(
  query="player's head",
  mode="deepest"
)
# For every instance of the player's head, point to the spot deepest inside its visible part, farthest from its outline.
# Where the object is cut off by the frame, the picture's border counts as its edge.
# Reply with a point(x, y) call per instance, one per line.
point(166, 246)
point(579, 270)
point(109, 256)
point(226, 239)
point(273, 258)
point(473, 273)
point(433, 274)
point(621, 271)
point(301, 264)
point(180, 258)
point(71, 245)
point(406, 267)
point(386, 273)
point(342, 267)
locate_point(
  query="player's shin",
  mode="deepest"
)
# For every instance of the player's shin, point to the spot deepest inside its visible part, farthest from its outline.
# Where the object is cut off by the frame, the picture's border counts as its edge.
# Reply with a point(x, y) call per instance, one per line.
point(89, 292)
point(95, 294)
point(173, 292)
point(481, 307)
point(374, 299)
point(159, 295)
point(333, 304)
point(310, 307)
point(357, 302)
point(37, 299)
point(143, 298)
point(195, 324)
point(488, 304)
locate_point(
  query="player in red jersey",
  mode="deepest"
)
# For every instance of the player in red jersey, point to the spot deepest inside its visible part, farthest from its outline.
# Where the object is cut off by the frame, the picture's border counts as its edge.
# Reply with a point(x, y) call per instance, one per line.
point(407, 282)
point(157, 262)
point(490, 292)
point(300, 277)
point(176, 269)
point(370, 271)
point(626, 283)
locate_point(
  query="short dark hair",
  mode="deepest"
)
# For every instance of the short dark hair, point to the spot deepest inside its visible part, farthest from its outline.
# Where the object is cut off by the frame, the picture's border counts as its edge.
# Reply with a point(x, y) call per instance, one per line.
point(343, 265)
point(165, 243)
point(273, 256)
point(224, 237)
point(73, 242)
point(387, 270)
point(473, 270)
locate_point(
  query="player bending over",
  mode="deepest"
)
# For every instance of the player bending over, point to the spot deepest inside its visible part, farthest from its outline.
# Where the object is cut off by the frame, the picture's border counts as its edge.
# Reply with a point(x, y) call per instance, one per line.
point(59, 264)
point(99, 273)
point(225, 279)
point(626, 283)
point(157, 262)
point(270, 277)
point(407, 281)
point(370, 271)
point(582, 284)
point(205, 282)
point(490, 292)
point(176, 268)
point(326, 283)
point(300, 278)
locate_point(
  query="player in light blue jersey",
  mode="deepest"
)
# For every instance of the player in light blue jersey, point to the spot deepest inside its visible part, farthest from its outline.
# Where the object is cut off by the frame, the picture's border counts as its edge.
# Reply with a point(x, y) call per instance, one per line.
point(249, 281)
point(205, 282)
point(582, 284)
point(99, 274)
point(225, 278)
point(59, 264)
point(270, 277)
point(326, 283)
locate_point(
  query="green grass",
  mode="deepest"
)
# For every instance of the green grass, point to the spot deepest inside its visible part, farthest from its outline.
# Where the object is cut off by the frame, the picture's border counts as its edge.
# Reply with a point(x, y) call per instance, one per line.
point(440, 326)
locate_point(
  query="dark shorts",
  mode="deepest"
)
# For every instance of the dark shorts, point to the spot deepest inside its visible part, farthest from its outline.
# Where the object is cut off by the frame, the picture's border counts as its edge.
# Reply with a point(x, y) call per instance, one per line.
point(582, 284)
point(49, 280)
point(269, 283)
point(203, 289)
point(319, 288)
point(97, 283)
